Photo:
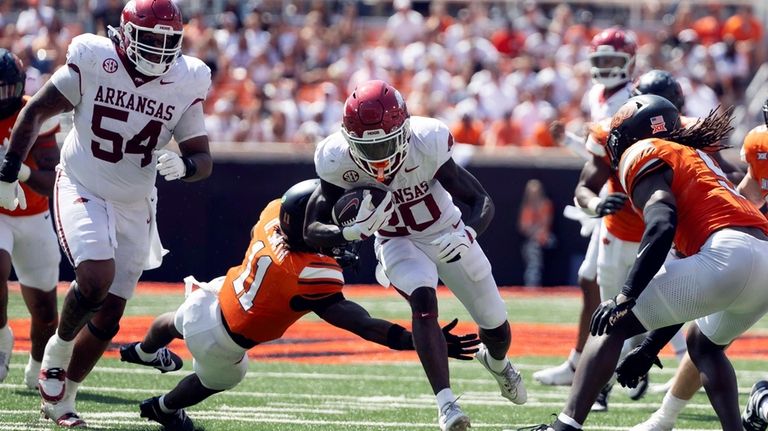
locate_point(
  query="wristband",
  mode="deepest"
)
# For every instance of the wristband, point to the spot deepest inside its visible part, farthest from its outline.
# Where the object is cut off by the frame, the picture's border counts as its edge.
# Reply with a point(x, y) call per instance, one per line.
point(593, 203)
point(9, 171)
point(190, 168)
point(24, 173)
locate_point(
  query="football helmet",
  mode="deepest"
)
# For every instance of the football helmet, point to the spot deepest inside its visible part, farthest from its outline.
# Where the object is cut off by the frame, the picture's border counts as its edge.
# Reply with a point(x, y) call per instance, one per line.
point(292, 215)
point(150, 35)
point(12, 80)
point(377, 127)
point(641, 117)
point(765, 112)
point(612, 56)
point(660, 83)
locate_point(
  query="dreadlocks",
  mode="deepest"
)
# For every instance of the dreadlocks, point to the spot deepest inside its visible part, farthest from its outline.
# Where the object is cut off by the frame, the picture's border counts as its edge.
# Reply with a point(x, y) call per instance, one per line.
point(708, 133)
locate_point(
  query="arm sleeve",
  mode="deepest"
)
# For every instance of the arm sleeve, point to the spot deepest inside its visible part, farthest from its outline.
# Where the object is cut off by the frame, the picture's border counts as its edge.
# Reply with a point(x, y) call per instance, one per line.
point(191, 124)
point(67, 80)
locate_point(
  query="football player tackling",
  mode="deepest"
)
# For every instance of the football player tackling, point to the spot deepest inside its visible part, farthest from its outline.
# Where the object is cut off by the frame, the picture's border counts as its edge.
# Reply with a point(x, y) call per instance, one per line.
point(420, 237)
point(131, 93)
point(280, 280)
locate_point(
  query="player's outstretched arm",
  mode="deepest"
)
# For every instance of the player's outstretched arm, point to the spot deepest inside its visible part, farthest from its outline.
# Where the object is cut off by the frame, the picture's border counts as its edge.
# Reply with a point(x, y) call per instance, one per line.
point(465, 188)
point(349, 315)
point(653, 195)
point(319, 232)
point(46, 103)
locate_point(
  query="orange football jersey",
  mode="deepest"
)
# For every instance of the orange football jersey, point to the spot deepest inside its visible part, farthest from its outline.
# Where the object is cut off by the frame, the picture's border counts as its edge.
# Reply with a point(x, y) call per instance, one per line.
point(36, 203)
point(624, 224)
point(754, 152)
point(258, 296)
point(706, 200)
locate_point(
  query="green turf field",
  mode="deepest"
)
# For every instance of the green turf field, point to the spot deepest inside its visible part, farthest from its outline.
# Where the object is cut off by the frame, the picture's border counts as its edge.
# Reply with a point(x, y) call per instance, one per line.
point(282, 396)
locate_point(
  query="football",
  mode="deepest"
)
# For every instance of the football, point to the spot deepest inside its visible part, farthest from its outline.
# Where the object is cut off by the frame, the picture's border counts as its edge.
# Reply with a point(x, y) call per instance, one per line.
point(345, 209)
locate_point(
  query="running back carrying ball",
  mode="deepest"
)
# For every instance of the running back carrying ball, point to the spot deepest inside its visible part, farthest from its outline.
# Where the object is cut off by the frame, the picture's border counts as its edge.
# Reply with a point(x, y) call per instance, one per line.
point(346, 208)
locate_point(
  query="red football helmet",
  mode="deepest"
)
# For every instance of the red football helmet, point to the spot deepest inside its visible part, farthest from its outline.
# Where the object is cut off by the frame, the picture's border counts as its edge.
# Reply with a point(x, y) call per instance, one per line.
point(612, 56)
point(150, 34)
point(377, 127)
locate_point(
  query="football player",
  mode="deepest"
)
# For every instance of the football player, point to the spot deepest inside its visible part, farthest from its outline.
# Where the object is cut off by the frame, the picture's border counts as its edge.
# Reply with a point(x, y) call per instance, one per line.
point(685, 199)
point(280, 280)
point(622, 227)
point(420, 234)
point(754, 187)
point(27, 238)
point(131, 93)
point(612, 60)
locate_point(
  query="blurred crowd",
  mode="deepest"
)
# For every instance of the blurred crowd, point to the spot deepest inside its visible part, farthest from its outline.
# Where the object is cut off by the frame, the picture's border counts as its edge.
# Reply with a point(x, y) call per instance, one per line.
point(498, 73)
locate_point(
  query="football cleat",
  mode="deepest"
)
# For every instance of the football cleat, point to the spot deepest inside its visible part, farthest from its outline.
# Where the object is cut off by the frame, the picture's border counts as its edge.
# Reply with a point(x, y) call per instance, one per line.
point(601, 403)
point(639, 391)
point(165, 360)
point(6, 349)
point(654, 423)
point(452, 418)
point(751, 418)
point(176, 421)
point(510, 381)
point(51, 383)
point(63, 414)
point(561, 375)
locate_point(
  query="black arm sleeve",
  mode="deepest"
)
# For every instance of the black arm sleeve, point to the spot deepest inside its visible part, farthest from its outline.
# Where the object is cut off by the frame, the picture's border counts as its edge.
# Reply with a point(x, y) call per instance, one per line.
point(658, 338)
point(660, 224)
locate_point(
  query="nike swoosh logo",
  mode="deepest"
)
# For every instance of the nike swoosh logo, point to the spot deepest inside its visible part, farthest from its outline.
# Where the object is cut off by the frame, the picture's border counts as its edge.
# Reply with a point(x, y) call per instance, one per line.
point(640, 253)
point(456, 225)
point(165, 82)
point(407, 170)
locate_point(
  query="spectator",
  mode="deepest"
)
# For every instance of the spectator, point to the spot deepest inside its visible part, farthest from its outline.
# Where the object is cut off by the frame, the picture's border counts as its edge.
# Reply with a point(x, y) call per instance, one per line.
point(468, 130)
point(535, 224)
point(35, 17)
point(107, 15)
point(406, 25)
point(503, 132)
point(222, 125)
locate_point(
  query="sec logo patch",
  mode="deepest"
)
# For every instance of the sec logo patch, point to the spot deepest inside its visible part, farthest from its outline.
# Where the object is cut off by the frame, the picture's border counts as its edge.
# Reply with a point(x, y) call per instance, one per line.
point(351, 176)
point(110, 65)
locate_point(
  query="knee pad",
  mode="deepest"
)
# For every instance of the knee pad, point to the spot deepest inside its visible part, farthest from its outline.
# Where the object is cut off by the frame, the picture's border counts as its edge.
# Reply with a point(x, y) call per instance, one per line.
point(102, 334)
point(83, 302)
point(424, 303)
point(499, 334)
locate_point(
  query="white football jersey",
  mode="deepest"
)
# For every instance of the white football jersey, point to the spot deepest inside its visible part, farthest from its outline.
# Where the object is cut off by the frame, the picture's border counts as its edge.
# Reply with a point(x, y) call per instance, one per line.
point(422, 206)
point(120, 121)
point(601, 107)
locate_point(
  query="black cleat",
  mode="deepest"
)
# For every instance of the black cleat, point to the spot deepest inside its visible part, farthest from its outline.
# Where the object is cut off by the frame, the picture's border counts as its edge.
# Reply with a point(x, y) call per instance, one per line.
point(176, 421)
point(751, 418)
point(165, 360)
point(601, 403)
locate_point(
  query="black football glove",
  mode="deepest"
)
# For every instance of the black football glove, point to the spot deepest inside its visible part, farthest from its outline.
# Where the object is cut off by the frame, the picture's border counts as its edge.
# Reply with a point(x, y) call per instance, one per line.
point(610, 204)
point(636, 364)
point(608, 314)
point(460, 347)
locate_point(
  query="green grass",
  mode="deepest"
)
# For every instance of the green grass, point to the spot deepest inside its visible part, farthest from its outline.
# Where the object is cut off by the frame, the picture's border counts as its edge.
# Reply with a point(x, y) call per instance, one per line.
point(283, 396)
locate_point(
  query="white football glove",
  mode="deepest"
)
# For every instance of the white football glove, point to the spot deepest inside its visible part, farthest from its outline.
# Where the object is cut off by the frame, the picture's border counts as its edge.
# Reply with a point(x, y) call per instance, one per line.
point(369, 219)
point(170, 165)
point(12, 196)
point(453, 244)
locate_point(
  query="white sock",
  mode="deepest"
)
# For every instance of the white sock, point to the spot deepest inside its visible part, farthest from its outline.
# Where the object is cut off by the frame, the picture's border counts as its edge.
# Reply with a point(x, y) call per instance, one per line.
point(573, 358)
point(57, 352)
point(33, 365)
point(444, 397)
point(165, 409)
point(70, 390)
point(146, 357)
point(562, 417)
point(496, 365)
point(671, 407)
